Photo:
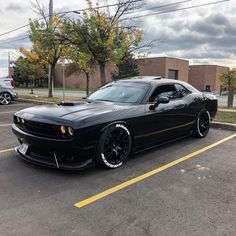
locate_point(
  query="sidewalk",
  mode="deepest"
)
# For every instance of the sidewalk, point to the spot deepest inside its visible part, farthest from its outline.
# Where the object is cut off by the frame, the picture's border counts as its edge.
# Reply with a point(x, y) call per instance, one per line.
point(56, 92)
point(227, 110)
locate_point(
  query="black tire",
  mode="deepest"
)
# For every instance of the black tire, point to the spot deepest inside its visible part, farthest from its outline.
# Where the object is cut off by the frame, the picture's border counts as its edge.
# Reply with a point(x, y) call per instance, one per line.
point(114, 146)
point(202, 124)
point(5, 98)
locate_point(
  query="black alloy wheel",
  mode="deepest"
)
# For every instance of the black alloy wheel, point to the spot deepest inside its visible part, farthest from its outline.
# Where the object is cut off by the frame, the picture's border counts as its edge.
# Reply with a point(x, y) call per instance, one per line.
point(114, 146)
point(202, 125)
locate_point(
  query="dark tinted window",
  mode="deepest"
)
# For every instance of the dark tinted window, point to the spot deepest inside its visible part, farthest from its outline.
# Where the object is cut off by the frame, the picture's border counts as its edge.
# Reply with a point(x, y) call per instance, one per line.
point(182, 90)
point(190, 88)
point(164, 91)
point(121, 92)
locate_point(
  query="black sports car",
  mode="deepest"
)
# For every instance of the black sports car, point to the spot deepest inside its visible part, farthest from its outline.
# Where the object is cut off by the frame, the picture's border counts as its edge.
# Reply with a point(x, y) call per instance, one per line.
point(123, 117)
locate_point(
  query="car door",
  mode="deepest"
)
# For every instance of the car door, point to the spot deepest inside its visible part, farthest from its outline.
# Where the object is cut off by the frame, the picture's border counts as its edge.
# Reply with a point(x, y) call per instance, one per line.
point(167, 121)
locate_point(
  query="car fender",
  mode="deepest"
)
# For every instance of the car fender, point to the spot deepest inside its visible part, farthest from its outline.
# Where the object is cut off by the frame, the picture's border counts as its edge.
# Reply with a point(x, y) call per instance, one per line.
point(118, 122)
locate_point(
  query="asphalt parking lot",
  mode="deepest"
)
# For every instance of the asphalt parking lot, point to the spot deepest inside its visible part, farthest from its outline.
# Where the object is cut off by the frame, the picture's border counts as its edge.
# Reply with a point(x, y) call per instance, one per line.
point(192, 191)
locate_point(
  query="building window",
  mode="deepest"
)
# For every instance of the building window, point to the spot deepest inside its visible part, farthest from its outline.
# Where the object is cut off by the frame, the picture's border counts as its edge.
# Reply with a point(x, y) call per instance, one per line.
point(173, 74)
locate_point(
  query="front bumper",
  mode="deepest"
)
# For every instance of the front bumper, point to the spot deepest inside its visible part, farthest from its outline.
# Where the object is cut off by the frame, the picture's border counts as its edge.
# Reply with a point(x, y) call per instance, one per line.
point(54, 153)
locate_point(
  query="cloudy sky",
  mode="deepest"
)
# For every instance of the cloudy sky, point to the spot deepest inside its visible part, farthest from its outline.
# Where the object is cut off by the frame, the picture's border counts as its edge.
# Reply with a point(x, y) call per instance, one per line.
point(204, 35)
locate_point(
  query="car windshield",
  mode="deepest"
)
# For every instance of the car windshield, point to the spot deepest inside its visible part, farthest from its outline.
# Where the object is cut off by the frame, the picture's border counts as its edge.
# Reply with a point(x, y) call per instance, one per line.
point(121, 92)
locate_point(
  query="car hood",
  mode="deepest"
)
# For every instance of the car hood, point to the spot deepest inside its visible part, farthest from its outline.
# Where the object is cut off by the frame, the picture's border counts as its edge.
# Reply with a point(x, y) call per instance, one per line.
point(69, 111)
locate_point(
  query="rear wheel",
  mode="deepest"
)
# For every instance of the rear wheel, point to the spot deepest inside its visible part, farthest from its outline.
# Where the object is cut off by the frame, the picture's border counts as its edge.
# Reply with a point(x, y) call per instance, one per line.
point(5, 98)
point(202, 125)
point(114, 146)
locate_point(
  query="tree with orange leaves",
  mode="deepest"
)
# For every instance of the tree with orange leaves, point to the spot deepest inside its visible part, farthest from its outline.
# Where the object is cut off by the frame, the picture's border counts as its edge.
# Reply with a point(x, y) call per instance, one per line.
point(47, 46)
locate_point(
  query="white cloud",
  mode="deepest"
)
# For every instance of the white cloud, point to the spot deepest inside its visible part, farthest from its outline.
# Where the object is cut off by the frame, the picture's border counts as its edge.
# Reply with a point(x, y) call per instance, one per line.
point(202, 35)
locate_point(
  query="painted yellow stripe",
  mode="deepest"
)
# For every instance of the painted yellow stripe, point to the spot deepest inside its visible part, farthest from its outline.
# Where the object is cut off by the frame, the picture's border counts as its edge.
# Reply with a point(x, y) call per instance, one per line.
point(148, 174)
point(4, 125)
point(7, 150)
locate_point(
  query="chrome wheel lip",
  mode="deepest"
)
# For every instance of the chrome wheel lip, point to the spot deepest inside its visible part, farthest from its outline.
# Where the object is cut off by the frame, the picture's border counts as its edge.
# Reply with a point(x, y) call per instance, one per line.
point(203, 125)
point(5, 98)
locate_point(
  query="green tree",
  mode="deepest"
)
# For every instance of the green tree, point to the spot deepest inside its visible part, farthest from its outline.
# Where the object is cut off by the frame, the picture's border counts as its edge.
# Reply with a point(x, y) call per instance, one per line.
point(104, 38)
point(46, 42)
point(28, 70)
point(127, 68)
point(82, 61)
point(228, 79)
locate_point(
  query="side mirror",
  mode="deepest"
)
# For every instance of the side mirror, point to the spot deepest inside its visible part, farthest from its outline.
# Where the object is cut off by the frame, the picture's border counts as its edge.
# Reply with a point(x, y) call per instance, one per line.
point(163, 100)
point(160, 100)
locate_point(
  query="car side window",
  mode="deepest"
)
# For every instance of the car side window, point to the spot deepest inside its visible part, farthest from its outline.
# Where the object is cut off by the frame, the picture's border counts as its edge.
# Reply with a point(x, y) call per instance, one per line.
point(182, 91)
point(164, 91)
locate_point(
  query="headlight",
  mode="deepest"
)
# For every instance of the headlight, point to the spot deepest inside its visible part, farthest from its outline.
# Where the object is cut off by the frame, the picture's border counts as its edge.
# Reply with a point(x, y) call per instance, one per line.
point(18, 119)
point(63, 129)
point(70, 131)
point(23, 121)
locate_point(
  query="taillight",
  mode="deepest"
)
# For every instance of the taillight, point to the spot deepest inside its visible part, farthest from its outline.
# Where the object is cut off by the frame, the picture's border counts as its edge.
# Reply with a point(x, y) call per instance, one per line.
point(12, 82)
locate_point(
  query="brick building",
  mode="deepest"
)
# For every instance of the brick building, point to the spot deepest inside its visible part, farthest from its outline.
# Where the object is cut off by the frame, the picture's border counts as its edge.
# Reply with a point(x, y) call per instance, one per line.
point(164, 66)
point(78, 80)
point(206, 77)
point(203, 77)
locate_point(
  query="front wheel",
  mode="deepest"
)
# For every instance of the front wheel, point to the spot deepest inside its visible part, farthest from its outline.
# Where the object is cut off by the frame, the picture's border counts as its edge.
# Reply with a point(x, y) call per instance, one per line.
point(114, 146)
point(5, 98)
point(202, 125)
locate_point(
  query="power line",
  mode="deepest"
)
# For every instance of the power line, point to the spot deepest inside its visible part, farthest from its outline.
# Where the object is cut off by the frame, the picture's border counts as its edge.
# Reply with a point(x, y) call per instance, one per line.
point(151, 14)
point(11, 31)
point(179, 9)
point(157, 7)
point(65, 12)
point(15, 40)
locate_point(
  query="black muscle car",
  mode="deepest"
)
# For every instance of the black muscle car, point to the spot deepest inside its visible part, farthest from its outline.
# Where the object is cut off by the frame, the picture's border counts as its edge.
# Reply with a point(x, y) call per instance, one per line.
point(123, 117)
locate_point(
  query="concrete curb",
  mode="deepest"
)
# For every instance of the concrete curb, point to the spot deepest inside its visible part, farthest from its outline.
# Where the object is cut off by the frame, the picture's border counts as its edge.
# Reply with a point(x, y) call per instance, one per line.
point(225, 126)
point(227, 110)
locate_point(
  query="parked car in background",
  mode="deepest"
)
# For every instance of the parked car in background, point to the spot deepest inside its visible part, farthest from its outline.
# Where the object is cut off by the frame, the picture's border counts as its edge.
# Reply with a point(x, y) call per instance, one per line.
point(7, 92)
point(123, 117)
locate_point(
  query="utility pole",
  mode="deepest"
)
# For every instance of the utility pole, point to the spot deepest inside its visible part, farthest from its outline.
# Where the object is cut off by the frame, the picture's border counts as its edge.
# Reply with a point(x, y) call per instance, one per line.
point(9, 63)
point(50, 79)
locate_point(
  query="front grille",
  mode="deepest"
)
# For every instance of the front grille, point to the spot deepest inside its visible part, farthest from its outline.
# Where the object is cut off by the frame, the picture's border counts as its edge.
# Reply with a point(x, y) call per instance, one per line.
point(40, 129)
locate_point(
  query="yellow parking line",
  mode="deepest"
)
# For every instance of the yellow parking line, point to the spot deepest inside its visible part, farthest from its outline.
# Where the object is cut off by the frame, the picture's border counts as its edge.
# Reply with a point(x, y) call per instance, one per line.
point(7, 150)
point(149, 174)
point(5, 125)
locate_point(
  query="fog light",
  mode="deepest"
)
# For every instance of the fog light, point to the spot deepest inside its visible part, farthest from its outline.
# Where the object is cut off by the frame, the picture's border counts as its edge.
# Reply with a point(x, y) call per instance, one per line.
point(63, 129)
point(70, 131)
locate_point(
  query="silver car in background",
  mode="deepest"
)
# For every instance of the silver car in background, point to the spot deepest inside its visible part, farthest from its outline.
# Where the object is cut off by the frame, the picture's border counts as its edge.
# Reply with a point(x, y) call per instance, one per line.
point(7, 92)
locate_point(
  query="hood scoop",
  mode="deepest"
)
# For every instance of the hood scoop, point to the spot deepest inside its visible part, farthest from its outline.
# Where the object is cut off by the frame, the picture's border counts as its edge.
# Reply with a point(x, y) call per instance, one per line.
point(70, 104)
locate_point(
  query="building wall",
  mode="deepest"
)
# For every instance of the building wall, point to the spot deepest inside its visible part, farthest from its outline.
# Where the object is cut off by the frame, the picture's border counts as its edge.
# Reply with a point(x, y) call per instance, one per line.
point(162, 65)
point(78, 80)
point(147, 66)
point(152, 66)
point(201, 76)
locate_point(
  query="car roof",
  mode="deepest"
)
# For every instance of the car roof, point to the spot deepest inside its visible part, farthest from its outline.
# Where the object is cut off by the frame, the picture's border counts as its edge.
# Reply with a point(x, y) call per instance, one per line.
point(151, 80)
